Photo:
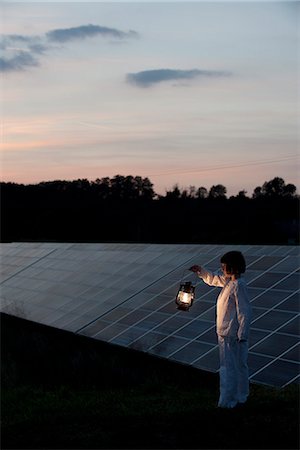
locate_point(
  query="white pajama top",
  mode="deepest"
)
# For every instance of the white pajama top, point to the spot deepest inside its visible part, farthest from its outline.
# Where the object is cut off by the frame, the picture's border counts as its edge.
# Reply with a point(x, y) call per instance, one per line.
point(233, 305)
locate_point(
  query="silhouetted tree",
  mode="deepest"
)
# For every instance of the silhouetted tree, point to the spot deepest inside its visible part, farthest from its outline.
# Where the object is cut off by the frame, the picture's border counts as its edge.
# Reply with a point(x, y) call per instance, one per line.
point(218, 191)
point(101, 187)
point(126, 208)
point(146, 190)
point(275, 188)
point(257, 193)
point(242, 194)
point(175, 193)
point(192, 192)
point(202, 192)
point(290, 190)
point(130, 188)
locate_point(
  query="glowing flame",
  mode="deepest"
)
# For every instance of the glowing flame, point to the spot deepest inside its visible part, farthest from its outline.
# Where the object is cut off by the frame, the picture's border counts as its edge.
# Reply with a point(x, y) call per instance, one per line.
point(185, 297)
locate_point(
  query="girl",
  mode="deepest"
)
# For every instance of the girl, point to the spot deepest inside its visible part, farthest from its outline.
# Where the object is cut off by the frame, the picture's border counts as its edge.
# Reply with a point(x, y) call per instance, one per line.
point(232, 327)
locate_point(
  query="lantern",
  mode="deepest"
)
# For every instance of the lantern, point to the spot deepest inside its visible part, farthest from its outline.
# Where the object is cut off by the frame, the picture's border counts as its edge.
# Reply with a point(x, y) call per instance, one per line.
point(185, 296)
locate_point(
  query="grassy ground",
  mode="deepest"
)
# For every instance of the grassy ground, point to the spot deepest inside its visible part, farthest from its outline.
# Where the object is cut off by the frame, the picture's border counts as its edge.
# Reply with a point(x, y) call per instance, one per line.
point(149, 416)
point(129, 401)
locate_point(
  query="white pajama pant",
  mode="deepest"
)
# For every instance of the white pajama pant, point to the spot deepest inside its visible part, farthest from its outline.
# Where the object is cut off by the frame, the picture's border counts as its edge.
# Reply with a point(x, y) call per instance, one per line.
point(234, 374)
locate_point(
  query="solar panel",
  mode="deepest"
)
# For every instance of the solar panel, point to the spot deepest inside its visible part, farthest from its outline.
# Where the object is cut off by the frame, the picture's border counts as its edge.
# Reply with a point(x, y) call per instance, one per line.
point(125, 294)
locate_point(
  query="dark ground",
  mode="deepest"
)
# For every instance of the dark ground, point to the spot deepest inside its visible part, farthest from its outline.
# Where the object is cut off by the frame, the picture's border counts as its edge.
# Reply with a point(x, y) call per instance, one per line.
point(63, 391)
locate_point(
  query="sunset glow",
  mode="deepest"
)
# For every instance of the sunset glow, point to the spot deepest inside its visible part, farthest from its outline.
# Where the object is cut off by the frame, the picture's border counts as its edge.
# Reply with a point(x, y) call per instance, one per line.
point(196, 93)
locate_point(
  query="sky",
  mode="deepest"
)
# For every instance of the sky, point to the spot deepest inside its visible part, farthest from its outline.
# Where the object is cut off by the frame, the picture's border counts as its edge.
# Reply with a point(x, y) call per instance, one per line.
point(190, 93)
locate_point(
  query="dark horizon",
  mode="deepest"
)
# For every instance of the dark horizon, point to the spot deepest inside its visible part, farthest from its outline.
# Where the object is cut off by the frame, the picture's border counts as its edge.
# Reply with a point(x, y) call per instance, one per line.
point(127, 209)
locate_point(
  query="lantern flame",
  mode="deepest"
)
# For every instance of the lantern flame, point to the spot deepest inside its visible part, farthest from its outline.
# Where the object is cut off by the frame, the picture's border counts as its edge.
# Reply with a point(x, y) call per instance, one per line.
point(185, 296)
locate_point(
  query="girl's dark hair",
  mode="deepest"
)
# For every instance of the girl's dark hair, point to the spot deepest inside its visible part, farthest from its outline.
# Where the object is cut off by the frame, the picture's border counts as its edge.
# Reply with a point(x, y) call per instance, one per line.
point(235, 262)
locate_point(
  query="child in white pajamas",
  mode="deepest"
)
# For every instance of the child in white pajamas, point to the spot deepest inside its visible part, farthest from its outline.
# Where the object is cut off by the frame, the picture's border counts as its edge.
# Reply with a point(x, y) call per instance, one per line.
point(232, 327)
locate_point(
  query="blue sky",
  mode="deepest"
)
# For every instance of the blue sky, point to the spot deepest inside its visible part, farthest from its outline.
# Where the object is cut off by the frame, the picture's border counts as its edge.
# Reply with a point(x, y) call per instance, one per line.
point(194, 93)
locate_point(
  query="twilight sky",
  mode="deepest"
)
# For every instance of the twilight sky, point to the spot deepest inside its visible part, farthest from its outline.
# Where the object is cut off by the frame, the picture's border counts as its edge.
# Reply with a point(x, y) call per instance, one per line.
point(195, 93)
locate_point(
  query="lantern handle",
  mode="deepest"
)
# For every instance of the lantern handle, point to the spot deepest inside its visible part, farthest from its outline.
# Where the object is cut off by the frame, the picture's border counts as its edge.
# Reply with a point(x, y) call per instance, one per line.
point(186, 270)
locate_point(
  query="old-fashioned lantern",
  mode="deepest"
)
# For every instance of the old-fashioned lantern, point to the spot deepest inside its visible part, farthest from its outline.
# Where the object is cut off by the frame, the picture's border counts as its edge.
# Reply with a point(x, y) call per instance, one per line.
point(185, 296)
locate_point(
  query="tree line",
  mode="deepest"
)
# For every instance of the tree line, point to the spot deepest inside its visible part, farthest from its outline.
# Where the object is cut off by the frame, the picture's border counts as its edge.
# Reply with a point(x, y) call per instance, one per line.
point(127, 209)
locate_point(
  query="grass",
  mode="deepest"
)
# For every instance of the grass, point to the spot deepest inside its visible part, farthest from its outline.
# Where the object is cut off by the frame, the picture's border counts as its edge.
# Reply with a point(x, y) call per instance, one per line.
point(147, 416)
point(130, 400)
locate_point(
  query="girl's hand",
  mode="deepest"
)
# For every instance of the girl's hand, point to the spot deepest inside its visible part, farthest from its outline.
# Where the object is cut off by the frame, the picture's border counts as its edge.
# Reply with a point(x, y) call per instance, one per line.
point(195, 268)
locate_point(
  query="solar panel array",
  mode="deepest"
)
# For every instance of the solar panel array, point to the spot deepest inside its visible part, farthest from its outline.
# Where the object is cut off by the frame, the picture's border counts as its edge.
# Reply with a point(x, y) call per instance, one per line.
point(125, 294)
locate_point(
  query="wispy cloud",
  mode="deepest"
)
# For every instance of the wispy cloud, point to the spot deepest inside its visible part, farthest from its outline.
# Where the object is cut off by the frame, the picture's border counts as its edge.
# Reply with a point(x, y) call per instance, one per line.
point(86, 31)
point(23, 43)
point(148, 78)
point(20, 61)
point(9, 38)
point(23, 51)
